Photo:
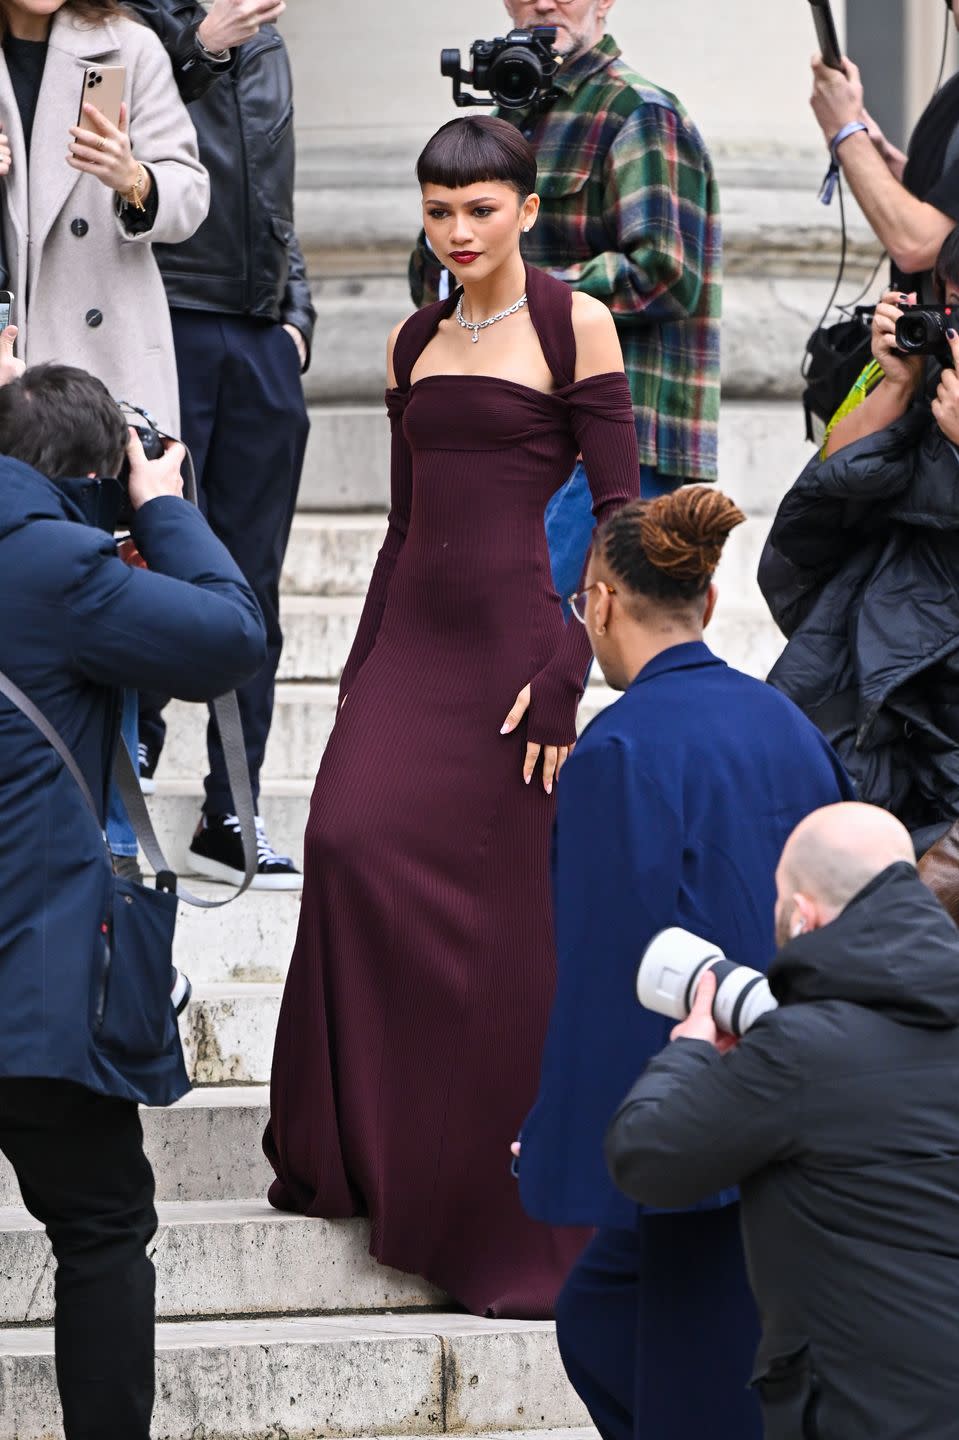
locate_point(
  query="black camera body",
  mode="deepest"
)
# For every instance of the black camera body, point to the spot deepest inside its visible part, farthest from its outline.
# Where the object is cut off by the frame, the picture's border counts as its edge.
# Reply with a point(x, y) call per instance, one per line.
point(116, 510)
point(921, 330)
point(516, 70)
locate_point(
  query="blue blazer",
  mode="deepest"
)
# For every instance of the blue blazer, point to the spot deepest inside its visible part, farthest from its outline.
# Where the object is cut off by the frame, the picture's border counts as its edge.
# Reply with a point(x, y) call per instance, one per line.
point(78, 626)
point(673, 810)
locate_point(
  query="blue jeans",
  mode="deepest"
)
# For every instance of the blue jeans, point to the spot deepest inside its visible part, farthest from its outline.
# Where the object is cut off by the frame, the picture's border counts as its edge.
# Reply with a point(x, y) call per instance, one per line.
point(570, 524)
point(121, 835)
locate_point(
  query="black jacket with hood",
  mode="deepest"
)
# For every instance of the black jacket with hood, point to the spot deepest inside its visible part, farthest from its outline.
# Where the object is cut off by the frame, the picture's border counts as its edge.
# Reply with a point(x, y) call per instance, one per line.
point(860, 572)
point(838, 1115)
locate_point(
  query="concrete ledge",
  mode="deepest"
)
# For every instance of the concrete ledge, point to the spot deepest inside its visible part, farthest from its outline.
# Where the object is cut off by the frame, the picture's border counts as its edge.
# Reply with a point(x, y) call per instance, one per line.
point(259, 1380)
point(237, 1257)
point(228, 1033)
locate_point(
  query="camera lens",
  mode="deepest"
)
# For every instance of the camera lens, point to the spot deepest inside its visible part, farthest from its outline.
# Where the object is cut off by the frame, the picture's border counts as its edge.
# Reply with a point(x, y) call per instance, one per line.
point(515, 78)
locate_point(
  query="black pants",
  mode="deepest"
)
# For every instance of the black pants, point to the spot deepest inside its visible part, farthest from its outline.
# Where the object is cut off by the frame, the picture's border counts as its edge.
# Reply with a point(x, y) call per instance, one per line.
point(82, 1172)
point(244, 420)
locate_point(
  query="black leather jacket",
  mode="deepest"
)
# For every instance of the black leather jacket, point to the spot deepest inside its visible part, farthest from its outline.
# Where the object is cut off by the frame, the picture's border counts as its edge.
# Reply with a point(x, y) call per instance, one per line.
point(245, 258)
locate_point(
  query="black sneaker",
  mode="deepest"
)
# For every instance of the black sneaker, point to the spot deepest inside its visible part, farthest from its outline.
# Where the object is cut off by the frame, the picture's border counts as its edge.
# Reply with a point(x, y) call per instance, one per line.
point(148, 760)
point(217, 851)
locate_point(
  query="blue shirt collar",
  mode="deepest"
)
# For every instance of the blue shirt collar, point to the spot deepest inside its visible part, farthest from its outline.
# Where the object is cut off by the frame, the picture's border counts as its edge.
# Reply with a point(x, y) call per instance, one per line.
point(688, 656)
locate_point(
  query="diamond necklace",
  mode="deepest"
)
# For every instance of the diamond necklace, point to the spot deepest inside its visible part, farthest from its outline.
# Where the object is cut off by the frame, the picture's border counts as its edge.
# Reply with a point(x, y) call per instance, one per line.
point(475, 327)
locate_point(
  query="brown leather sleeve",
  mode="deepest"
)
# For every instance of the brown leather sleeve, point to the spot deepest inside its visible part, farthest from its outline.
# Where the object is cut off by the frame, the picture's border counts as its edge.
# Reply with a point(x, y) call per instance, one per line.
point(939, 870)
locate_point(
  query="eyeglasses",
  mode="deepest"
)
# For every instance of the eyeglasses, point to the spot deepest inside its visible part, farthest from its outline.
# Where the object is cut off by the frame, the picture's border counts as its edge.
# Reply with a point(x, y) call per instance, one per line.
point(577, 603)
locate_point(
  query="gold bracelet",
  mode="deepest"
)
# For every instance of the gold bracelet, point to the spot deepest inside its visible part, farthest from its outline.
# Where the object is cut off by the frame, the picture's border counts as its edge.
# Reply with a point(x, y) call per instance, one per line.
point(134, 196)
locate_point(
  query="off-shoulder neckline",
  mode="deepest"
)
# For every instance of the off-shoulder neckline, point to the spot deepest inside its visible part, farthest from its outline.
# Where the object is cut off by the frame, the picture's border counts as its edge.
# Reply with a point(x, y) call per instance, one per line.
point(514, 384)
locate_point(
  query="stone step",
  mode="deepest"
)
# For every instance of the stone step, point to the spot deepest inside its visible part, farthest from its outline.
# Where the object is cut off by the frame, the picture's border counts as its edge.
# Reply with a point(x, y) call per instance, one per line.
point(761, 442)
point(225, 1257)
point(319, 631)
point(228, 1033)
point(207, 1147)
point(247, 942)
point(354, 1376)
point(331, 554)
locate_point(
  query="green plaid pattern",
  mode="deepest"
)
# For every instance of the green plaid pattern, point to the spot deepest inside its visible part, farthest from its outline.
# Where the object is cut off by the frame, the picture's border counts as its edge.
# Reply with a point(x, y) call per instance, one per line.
point(630, 214)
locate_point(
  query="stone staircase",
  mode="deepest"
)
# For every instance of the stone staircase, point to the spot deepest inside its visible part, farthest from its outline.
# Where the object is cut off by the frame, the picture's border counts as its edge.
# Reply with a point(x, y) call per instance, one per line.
point(274, 1327)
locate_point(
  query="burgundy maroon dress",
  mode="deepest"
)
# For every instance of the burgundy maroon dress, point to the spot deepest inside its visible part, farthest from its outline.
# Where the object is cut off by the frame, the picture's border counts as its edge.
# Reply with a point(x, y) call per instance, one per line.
point(413, 1019)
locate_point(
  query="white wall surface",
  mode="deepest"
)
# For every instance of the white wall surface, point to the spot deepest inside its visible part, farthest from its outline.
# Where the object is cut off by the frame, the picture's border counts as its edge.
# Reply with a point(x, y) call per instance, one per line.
point(369, 71)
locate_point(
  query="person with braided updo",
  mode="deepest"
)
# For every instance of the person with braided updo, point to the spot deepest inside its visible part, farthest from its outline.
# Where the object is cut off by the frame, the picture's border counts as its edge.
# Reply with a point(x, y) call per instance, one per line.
point(674, 810)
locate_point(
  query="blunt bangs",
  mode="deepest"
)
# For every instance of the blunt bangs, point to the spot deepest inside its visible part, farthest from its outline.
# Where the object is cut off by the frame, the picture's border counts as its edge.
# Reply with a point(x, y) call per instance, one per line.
point(478, 147)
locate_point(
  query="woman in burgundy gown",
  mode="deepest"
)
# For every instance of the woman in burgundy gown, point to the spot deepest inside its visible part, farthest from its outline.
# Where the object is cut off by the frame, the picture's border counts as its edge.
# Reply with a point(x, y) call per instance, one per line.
point(414, 1014)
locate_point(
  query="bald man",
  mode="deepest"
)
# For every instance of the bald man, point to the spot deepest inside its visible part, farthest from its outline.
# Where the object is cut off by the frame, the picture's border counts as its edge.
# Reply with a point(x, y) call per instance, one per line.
point(837, 1115)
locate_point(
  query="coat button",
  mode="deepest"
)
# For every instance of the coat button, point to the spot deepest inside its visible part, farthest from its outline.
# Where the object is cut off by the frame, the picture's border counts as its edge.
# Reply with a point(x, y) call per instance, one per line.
point(79, 228)
point(94, 318)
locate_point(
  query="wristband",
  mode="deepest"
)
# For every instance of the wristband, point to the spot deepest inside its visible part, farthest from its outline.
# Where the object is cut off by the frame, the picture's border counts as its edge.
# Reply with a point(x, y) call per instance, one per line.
point(832, 174)
point(844, 134)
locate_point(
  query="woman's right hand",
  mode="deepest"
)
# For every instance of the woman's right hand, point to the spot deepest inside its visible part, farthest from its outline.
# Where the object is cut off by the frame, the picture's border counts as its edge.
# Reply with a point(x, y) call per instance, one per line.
point(903, 371)
point(6, 154)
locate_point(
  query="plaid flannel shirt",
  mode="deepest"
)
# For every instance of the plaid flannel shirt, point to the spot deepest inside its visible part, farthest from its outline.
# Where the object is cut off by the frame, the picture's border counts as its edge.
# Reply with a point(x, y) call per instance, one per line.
point(630, 214)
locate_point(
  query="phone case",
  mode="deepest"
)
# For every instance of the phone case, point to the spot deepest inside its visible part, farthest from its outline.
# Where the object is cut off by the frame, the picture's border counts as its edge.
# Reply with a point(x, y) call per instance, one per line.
point(827, 34)
point(103, 86)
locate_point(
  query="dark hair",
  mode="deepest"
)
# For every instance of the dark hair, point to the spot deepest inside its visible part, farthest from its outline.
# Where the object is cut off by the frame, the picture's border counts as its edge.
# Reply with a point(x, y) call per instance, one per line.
point(96, 11)
point(63, 422)
point(947, 264)
point(478, 147)
point(667, 549)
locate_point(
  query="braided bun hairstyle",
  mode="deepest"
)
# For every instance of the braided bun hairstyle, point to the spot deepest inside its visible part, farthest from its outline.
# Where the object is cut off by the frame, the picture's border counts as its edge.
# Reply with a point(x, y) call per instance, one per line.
point(668, 549)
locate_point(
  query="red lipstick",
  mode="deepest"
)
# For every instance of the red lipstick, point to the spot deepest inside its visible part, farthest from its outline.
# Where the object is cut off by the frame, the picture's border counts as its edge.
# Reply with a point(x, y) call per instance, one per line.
point(464, 257)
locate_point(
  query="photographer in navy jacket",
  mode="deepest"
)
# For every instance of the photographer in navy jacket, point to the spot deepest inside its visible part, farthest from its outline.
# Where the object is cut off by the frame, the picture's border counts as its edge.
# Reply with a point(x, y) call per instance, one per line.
point(836, 1115)
point(79, 626)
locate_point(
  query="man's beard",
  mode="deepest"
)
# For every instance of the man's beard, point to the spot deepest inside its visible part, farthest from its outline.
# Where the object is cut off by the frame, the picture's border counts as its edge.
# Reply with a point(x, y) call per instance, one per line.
point(572, 43)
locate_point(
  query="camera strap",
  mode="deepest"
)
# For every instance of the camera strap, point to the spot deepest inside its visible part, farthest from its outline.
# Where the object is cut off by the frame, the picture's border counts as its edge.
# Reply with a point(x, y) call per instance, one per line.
point(127, 781)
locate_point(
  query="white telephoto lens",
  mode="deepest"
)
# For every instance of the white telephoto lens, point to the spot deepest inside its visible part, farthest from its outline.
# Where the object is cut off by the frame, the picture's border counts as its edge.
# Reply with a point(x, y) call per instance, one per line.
point(673, 959)
point(743, 995)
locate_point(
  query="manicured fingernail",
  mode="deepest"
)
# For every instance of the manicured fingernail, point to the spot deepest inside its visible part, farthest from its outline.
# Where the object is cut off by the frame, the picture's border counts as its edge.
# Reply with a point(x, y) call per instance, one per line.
point(549, 788)
point(527, 779)
point(506, 729)
point(951, 334)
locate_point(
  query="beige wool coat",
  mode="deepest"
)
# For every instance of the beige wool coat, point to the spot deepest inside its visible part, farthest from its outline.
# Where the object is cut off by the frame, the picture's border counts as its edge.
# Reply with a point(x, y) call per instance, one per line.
point(88, 293)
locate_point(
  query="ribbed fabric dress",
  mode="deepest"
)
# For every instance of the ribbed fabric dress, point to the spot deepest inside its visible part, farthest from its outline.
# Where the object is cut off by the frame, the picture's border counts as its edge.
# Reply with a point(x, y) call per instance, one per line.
point(413, 1019)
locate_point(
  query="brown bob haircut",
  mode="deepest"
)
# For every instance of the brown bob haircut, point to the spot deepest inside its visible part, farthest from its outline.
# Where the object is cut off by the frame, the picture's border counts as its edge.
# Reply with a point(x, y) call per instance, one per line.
point(478, 147)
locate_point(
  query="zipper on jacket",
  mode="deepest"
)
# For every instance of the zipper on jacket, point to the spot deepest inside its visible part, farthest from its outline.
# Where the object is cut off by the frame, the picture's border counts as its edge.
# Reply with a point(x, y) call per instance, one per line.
point(104, 974)
point(248, 281)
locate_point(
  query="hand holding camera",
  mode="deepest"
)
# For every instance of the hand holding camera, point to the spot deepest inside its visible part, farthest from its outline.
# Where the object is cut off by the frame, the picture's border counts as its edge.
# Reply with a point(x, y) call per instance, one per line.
point(903, 368)
point(945, 406)
point(149, 479)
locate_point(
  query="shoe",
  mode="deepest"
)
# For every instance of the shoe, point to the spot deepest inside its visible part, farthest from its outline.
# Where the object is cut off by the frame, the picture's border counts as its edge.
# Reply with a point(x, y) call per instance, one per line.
point(148, 759)
point(127, 867)
point(217, 851)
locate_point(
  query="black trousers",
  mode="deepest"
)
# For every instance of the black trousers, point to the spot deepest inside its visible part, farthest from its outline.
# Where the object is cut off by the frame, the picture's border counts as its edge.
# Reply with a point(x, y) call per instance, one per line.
point(82, 1172)
point(657, 1328)
point(244, 419)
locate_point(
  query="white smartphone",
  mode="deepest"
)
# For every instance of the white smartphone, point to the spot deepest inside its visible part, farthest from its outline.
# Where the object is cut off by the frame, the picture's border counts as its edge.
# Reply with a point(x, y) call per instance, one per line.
point(103, 86)
point(6, 305)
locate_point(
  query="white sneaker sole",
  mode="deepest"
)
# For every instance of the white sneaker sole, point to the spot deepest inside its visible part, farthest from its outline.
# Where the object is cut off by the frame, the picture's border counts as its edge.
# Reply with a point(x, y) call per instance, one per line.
point(148, 786)
point(216, 870)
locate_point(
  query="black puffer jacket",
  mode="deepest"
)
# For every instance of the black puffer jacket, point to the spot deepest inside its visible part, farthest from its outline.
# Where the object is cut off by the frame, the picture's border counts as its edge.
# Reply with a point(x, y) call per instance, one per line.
point(861, 573)
point(245, 259)
point(837, 1116)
